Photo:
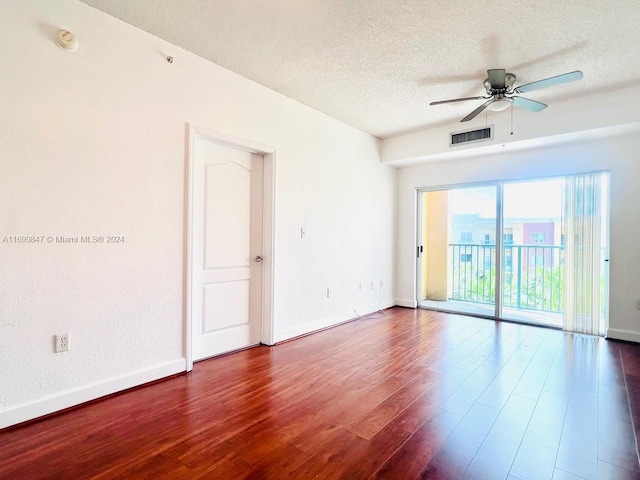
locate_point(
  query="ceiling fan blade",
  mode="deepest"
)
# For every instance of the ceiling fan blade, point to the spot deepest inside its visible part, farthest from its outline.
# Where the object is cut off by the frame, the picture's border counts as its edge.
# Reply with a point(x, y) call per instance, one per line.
point(440, 102)
point(528, 104)
point(550, 82)
point(473, 114)
point(497, 78)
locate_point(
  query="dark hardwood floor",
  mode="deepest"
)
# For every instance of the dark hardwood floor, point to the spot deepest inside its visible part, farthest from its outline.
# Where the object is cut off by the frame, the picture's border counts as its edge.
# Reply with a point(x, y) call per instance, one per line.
point(410, 394)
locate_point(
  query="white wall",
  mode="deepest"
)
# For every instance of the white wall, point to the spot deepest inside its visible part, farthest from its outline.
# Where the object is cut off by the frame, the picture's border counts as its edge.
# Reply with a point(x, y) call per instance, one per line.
point(93, 143)
point(615, 150)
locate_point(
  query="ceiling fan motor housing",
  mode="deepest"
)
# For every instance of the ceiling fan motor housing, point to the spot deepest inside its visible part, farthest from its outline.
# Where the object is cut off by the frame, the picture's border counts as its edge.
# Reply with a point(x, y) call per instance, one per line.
point(509, 80)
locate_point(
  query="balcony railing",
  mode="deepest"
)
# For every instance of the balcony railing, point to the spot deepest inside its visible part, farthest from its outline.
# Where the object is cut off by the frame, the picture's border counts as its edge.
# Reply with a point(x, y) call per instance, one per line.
point(533, 275)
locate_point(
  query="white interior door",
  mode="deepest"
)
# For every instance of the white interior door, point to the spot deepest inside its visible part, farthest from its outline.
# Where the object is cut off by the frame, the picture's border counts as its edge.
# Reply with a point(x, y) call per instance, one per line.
point(226, 286)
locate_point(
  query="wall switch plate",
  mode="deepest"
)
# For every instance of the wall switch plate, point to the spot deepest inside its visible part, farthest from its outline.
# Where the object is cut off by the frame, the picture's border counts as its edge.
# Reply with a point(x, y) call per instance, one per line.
point(328, 292)
point(62, 343)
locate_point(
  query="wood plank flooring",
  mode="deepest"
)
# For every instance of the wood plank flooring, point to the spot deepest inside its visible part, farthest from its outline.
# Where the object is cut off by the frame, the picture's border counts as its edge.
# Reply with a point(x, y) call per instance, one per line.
point(406, 395)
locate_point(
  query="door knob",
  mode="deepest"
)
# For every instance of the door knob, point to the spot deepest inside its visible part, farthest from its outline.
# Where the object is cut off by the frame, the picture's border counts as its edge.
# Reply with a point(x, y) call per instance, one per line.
point(258, 258)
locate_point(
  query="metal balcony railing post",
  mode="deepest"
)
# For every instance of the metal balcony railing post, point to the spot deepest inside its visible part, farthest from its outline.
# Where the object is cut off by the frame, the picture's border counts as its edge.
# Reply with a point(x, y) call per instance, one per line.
point(519, 276)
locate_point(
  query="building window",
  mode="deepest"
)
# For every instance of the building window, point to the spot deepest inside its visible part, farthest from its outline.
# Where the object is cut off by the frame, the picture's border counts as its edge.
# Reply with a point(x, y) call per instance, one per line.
point(465, 257)
point(538, 237)
point(466, 237)
point(507, 261)
point(487, 239)
point(507, 238)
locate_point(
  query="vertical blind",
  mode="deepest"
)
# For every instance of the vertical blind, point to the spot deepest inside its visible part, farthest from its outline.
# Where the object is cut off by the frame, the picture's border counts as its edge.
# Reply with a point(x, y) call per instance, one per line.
point(584, 227)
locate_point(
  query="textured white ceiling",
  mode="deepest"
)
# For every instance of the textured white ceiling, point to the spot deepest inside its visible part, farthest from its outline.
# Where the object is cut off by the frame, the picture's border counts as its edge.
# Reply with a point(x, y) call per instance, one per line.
point(376, 64)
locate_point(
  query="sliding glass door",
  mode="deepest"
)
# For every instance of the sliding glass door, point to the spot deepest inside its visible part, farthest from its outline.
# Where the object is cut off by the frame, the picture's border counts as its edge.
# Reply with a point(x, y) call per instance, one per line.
point(532, 251)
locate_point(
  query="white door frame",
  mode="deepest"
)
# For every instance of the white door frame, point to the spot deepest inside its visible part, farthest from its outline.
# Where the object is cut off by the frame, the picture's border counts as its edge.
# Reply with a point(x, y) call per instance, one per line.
point(268, 229)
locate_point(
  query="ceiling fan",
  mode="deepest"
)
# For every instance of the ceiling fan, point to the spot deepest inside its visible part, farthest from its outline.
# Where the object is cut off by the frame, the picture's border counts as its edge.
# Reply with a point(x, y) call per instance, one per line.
point(501, 94)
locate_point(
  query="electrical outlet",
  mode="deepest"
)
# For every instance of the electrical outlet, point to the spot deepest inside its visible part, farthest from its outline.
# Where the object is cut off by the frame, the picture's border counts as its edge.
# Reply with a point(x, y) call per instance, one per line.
point(62, 343)
point(372, 285)
point(360, 286)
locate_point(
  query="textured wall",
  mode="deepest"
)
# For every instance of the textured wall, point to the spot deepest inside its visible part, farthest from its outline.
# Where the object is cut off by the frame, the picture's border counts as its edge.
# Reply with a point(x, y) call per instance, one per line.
point(93, 143)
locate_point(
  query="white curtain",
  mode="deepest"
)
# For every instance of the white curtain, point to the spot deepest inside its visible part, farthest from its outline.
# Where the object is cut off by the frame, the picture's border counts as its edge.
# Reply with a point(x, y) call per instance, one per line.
point(583, 222)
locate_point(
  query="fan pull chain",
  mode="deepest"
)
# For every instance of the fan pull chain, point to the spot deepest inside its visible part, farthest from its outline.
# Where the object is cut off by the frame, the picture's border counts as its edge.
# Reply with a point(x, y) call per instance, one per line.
point(511, 118)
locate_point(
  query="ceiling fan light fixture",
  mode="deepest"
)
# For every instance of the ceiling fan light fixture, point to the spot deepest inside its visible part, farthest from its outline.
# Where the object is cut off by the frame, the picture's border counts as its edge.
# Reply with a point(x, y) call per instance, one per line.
point(500, 104)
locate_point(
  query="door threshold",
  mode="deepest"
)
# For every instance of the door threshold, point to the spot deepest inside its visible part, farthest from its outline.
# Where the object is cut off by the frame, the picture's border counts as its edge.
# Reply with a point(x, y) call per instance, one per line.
point(490, 317)
point(230, 352)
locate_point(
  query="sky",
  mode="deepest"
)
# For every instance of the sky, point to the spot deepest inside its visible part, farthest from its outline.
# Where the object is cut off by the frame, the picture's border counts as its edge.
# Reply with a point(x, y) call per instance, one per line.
point(531, 199)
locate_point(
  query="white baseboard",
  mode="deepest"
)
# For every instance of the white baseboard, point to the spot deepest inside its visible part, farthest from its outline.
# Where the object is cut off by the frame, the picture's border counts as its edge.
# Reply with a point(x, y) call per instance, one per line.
point(403, 302)
point(627, 335)
point(75, 396)
point(331, 320)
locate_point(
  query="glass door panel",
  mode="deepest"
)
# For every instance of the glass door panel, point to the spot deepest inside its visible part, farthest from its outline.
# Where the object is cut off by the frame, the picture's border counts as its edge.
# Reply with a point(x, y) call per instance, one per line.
point(457, 250)
point(533, 252)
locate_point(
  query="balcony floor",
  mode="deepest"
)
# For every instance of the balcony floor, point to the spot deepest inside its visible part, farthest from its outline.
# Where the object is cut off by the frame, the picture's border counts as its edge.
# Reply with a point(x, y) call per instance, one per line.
point(534, 317)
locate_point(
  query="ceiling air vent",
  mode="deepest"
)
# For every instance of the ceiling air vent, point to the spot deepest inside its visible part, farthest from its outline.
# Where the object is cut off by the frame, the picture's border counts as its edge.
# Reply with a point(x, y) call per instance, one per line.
point(469, 136)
